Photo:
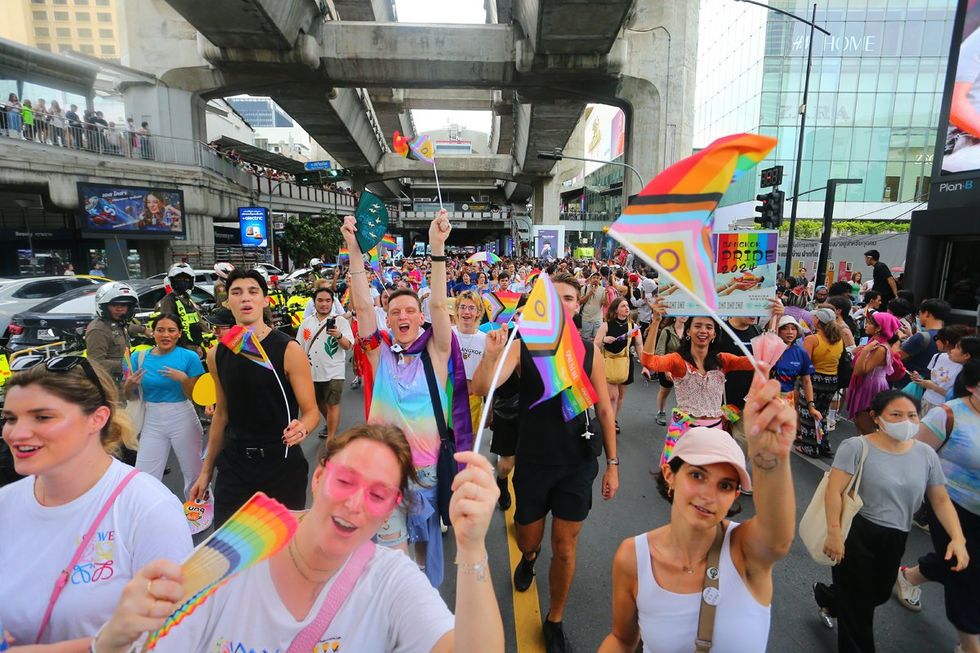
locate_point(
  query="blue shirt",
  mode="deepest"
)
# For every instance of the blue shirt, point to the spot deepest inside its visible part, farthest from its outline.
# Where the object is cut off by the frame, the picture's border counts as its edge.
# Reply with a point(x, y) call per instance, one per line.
point(794, 362)
point(159, 389)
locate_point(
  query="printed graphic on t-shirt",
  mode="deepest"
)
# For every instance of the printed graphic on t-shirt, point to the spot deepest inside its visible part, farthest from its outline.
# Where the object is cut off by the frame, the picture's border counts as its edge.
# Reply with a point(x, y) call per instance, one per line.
point(330, 645)
point(468, 351)
point(228, 646)
point(96, 563)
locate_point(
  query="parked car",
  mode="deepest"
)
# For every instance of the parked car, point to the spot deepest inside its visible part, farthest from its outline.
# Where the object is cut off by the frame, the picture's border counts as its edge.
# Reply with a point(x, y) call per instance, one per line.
point(203, 279)
point(69, 313)
point(271, 269)
point(17, 295)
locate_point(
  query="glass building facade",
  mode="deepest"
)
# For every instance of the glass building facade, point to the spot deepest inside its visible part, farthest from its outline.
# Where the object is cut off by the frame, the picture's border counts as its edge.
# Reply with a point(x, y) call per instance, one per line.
point(874, 99)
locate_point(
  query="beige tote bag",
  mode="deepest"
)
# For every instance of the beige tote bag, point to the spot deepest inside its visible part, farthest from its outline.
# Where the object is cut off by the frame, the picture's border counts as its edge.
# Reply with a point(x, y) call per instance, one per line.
point(813, 526)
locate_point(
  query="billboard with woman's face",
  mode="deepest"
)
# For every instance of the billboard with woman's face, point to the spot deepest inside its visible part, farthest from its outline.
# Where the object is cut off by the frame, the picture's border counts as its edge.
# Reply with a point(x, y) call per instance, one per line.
point(131, 210)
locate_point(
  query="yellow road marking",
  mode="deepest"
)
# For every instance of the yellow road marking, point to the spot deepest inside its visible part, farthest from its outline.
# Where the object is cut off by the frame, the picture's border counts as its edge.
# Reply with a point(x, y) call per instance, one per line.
point(527, 607)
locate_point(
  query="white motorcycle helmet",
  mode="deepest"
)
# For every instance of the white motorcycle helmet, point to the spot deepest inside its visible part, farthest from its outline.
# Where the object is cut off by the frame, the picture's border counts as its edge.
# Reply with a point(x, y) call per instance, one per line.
point(316, 263)
point(180, 269)
point(223, 269)
point(115, 292)
point(264, 274)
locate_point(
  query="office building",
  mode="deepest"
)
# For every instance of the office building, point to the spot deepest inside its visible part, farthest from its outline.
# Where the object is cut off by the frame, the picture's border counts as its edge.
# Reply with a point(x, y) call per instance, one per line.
point(87, 26)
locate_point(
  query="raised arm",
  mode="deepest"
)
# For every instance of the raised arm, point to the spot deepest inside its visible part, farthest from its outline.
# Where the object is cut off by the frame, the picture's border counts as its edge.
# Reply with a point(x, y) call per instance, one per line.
point(770, 427)
point(442, 327)
point(367, 321)
point(492, 350)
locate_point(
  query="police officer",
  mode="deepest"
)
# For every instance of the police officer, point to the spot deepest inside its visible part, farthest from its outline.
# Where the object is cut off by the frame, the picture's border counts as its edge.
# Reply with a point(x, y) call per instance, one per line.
point(178, 301)
point(222, 270)
point(107, 336)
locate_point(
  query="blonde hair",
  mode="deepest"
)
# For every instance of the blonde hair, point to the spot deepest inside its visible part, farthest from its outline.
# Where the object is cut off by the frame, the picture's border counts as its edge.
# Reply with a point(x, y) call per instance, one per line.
point(75, 387)
point(469, 295)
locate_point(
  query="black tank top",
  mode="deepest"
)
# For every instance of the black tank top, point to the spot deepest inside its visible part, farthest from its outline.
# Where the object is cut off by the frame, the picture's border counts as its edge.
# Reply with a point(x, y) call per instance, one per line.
point(544, 437)
point(256, 411)
point(617, 329)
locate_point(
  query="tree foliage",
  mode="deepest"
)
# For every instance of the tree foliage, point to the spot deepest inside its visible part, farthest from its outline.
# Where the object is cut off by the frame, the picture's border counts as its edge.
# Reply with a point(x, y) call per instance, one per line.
point(307, 237)
point(814, 228)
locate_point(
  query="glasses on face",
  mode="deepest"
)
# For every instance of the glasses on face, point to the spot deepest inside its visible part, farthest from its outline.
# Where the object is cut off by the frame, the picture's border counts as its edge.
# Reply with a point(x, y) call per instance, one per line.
point(343, 482)
point(62, 364)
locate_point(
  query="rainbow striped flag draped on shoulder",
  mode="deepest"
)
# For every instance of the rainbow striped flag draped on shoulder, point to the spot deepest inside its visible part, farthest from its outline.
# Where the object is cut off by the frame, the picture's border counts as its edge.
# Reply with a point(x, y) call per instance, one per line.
point(669, 223)
point(555, 346)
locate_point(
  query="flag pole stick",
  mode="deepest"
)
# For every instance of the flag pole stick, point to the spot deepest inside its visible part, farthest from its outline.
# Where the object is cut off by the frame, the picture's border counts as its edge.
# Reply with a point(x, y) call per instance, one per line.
point(289, 415)
point(699, 301)
point(438, 188)
point(493, 388)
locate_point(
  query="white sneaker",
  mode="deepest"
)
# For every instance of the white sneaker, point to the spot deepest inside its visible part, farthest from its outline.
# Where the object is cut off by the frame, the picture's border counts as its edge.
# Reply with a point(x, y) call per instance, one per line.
point(831, 425)
point(908, 595)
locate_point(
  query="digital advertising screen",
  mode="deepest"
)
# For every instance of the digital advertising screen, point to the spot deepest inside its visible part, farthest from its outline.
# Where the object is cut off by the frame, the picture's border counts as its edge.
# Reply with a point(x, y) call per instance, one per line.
point(254, 224)
point(133, 211)
point(961, 150)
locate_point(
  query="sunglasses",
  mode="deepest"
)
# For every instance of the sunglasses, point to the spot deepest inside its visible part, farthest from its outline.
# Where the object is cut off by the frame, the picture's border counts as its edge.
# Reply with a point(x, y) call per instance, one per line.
point(59, 364)
point(343, 482)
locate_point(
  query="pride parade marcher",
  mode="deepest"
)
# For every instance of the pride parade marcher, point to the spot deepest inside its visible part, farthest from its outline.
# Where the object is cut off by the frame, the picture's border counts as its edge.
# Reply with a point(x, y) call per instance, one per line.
point(872, 365)
point(824, 346)
point(166, 374)
point(555, 465)
point(404, 363)
point(662, 579)
point(954, 431)
point(896, 471)
point(469, 314)
point(668, 342)
point(793, 370)
point(616, 335)
point(326, 337)
point(698, 369)
point(78, 509)
point(389, 607)
point(255, 429)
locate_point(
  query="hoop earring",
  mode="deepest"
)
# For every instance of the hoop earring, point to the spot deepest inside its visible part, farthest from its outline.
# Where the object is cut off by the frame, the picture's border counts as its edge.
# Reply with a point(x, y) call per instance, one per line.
point(670, 492)
point(687, 337)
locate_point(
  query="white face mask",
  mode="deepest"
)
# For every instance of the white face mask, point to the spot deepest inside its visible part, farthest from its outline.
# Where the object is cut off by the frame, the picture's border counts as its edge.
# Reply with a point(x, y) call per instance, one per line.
point(900, 431)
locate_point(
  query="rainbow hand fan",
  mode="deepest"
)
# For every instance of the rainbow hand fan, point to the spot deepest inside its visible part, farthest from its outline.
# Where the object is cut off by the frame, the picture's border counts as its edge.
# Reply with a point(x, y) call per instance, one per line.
point(242, 341)
point(256, 531)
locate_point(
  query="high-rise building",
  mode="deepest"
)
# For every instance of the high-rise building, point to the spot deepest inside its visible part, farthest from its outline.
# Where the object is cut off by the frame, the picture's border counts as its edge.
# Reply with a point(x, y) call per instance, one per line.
point(260, 111)
point(87, 26)
point(874, 99)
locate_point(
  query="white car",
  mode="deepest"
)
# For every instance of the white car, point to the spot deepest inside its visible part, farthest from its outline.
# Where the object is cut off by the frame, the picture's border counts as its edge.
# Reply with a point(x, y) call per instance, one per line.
point(271, 270)
point(17, 295)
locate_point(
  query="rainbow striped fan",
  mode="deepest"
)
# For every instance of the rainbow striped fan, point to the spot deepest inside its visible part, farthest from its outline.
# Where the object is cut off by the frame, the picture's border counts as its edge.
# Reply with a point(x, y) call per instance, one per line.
point(256, 531)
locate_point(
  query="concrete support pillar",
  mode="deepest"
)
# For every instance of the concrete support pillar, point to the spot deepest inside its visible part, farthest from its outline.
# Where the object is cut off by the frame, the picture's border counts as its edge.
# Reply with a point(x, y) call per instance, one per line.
point(545, 201)
point(657, 85)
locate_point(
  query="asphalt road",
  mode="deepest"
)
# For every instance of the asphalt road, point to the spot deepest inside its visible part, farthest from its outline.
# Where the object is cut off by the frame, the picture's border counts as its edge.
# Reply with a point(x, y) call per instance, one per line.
point(638, 508)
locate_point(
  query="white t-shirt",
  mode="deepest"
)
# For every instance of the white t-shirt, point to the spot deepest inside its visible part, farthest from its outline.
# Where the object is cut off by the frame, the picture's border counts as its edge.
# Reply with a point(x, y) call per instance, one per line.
point(392, 608)
point(944, 373)
point(472, 346)
point(327, 357)
point(145, 523)
point(648, 288)
point(381, 317)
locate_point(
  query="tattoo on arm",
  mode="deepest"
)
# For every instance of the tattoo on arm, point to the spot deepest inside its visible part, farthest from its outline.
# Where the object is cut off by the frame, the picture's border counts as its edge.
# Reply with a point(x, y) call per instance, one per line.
point(765, 461)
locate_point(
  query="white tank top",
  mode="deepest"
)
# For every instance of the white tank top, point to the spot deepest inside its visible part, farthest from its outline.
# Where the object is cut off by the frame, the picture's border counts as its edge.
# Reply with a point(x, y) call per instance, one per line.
point(669, 621)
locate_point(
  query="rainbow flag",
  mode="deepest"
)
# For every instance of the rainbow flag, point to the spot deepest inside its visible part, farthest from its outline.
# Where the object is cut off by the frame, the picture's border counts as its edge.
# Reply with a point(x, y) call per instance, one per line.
point(374, 259)
point(532, 277)
point(242, 341)
point(557, 349)
point(343, 256)
point(669, 223)
point(388, 242)
point(423, 149)
point(501, 305)
point(259, 529)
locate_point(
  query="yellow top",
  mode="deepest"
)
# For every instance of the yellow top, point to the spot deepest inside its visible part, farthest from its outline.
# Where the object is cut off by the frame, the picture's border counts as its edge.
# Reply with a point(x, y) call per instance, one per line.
point(826, 356)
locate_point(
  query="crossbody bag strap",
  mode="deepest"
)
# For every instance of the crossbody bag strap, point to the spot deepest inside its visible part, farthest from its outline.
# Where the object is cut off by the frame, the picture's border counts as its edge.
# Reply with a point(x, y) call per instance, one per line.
point(950, 423)
point(316, 335)
point(59, 585)
point(339, 591)
point(430, 380)
point(710, 595)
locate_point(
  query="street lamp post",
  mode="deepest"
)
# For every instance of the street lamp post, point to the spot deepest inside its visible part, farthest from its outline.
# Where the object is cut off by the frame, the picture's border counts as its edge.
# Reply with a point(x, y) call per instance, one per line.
point(803, 107)
point(557, 155)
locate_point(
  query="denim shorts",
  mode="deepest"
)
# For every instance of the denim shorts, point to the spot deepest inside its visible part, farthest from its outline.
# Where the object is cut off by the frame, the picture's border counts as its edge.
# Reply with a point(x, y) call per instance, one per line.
point(394, 530)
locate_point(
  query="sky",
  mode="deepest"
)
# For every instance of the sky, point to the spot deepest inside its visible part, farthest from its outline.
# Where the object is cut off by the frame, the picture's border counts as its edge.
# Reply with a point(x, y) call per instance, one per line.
point(445, 11)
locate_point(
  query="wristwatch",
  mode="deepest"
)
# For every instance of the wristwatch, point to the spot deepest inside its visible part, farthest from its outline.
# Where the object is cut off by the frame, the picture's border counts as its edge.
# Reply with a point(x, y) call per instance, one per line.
point(612, 461)
point(810, 404)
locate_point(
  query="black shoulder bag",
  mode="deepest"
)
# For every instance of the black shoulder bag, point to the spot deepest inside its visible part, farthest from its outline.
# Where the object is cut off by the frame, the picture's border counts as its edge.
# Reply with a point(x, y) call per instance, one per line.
point(446, 467)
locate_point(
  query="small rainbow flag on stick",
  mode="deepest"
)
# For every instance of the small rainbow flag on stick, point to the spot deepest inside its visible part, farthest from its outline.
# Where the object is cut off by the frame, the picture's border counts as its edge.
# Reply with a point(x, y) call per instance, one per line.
point(669, 223)
point(389, 242)
point(259, 529)
point(343, 255)
point(242, 341)
point(556, 348)
point(501, 305)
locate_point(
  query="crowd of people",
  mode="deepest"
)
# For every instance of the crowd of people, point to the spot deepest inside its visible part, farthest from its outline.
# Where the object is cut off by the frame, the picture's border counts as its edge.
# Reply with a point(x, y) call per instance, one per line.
point(386, 491)
point(48, 123)
point(234, 157)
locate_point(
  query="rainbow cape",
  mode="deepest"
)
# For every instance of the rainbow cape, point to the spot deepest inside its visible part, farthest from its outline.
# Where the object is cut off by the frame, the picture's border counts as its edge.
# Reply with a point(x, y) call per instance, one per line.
point(259, 529)
point(669, 223)
point(242, 341)
point(555, 346)
point(501, 305)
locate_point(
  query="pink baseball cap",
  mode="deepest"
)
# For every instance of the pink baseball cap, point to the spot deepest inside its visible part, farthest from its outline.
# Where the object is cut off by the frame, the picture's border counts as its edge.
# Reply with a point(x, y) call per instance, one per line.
point(706, 446)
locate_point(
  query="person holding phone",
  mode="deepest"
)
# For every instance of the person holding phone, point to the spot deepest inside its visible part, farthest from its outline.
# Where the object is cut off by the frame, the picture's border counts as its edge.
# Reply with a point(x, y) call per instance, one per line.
point(326, 338)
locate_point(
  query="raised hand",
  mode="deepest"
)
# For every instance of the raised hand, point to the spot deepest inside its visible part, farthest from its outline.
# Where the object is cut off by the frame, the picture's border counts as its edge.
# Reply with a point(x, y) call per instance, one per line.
point(440, 228)
point(475, 495)
point(349, 230)
point(770, 425)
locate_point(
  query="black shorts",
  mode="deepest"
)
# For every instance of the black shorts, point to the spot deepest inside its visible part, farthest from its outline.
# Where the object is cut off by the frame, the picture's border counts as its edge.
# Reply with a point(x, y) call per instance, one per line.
point(564, 491)
point(504, 440)
point(664, 381)
point(959, 587)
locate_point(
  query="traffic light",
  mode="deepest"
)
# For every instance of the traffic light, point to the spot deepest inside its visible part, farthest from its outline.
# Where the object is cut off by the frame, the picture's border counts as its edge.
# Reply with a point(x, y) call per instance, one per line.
point(771, 209)
point(765, 209)
point(308, 179)
point(336, 174)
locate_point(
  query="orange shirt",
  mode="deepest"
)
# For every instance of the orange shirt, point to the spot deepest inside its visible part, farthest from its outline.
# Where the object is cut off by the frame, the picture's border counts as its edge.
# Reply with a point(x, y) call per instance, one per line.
point(678, 367)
